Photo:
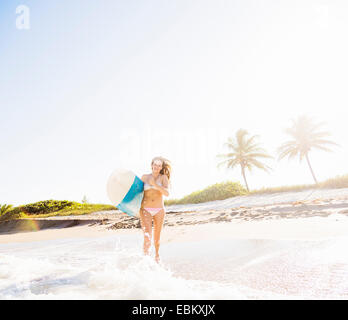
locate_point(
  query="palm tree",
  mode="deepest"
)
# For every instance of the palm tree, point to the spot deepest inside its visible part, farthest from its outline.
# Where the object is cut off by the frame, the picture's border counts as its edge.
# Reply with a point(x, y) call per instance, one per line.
point(244, 152)
point(306, 135)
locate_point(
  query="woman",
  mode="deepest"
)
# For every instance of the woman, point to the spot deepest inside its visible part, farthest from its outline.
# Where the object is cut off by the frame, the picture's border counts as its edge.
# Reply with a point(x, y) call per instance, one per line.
point(152, 206)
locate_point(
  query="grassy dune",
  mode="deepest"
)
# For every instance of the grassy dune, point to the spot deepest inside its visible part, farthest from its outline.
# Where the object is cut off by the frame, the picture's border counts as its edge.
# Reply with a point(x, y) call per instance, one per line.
point(217, 191)
point(332, 183)
point(220, 191)
point(48, 208)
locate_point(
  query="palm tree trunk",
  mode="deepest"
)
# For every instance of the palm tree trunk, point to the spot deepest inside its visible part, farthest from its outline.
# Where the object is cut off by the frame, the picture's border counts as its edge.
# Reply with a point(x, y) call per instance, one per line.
point(245, 181)
point(310, 167)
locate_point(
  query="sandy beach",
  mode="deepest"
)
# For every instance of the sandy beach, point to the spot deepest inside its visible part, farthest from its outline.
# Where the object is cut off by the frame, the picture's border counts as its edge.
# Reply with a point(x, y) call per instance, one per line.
point(283, 220)
point(283, 249)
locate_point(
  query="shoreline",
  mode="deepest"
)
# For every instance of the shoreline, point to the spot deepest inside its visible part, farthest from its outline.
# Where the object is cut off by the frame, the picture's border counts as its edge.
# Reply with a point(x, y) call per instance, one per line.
point(306, 229)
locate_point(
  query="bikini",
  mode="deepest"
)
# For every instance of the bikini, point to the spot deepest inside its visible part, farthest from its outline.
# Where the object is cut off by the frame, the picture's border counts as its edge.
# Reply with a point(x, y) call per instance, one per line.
point(152, 211)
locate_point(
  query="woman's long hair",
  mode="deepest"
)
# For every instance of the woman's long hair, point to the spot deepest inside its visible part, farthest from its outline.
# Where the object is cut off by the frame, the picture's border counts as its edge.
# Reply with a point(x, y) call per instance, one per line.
point(166, 166)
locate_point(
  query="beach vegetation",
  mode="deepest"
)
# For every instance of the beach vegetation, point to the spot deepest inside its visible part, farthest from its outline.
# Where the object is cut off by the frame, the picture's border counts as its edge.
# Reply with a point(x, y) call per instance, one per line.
point(217, 191)
point(48, 208)
point(340, 181)
point(5, 208)
point(293, 188)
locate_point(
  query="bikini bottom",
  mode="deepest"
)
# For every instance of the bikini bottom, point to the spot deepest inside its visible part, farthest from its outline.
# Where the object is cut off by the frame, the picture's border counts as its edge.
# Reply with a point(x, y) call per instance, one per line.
point(153, 211)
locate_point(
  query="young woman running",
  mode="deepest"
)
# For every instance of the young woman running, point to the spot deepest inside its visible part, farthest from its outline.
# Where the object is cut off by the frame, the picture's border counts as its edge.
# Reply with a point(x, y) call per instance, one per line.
point(156, 185)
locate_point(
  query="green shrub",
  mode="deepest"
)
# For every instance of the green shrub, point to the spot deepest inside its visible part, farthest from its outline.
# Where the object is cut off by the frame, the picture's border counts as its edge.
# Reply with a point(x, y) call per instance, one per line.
point(52, 208)
point(217, 191)
point(5, 208)
point(43, 207)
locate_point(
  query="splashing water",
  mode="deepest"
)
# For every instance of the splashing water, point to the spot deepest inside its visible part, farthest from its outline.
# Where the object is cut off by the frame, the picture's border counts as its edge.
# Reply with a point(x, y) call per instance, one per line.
point(113, 268)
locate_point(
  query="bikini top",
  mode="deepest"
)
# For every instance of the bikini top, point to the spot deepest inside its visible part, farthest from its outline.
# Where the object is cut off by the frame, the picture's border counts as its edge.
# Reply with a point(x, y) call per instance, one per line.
point(148, 186)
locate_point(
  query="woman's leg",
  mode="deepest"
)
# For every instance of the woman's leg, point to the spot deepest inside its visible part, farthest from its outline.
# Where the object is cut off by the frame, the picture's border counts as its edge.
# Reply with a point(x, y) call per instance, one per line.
point(158, 220)
point(146, 225)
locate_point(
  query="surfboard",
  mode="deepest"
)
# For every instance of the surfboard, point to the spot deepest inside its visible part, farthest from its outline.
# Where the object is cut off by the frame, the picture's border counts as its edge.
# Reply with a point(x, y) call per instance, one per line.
point(125, 191)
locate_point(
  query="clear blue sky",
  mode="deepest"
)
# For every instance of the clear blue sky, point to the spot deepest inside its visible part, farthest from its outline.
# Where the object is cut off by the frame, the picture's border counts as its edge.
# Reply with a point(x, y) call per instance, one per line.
point(93, 86)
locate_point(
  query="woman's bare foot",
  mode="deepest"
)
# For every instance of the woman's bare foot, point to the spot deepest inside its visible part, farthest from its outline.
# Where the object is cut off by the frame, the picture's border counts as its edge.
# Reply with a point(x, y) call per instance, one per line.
point(157, 258)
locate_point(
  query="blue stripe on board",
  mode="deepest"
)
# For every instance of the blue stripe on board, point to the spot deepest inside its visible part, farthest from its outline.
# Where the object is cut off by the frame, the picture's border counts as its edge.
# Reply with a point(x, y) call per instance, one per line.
point(132, 201)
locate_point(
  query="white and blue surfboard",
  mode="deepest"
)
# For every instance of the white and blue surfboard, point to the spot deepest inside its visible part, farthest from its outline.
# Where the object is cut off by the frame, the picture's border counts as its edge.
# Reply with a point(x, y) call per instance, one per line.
point(125, 191)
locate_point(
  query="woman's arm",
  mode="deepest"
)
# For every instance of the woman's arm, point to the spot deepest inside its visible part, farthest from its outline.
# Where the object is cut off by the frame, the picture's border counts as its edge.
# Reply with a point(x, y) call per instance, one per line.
point(164, 188)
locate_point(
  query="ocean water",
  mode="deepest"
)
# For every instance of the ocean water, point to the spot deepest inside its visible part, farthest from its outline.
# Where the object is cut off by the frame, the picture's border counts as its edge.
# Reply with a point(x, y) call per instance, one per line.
point(113, 267)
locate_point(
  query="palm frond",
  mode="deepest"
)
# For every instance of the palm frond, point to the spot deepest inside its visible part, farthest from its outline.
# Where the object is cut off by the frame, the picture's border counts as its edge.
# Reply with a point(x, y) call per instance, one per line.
point(260, 165)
